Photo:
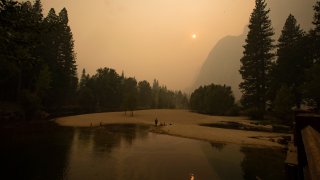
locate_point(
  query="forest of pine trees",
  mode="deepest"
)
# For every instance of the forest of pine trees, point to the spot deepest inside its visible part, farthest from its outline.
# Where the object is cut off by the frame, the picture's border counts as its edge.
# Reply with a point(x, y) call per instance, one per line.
point(283, 79)
point(38, 69)
point(277, 77)
point(39, 72)
point(108, 91)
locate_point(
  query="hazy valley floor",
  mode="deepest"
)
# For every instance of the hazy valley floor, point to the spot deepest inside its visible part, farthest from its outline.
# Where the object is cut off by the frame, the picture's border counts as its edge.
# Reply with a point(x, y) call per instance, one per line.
point(180, 123)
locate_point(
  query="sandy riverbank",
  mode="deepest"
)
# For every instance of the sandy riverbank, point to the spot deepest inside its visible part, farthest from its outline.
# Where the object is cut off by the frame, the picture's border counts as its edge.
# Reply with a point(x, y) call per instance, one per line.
point(183, 123)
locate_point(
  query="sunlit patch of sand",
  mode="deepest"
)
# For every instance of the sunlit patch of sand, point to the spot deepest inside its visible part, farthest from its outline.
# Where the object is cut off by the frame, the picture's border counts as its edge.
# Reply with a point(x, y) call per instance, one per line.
point(179, 123)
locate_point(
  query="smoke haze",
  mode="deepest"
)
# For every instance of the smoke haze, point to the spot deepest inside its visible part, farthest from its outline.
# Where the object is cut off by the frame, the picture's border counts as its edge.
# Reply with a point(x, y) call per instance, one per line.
point(153, 39)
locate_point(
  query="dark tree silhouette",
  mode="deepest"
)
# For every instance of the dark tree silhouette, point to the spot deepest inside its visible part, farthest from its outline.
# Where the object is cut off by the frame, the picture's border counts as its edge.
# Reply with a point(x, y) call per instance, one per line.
point(315, 33)
point(84, 79)
point(155, 93)
point(163, 98)
point(283, 103)
point(256, 60)
point(67, 58)
point(85, 96)
point(107, 89)
point(22, 69)
point(312, 85)
point(181, 100)
point(130, 94)
point(144, 94)
point(38, 70)
point(37, 58)
point(60, 56)
point(291, 63)
point(212, 99)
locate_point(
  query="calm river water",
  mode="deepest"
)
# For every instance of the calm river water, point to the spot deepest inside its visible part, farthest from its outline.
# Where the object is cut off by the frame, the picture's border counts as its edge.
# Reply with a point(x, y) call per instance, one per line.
point(128, 152)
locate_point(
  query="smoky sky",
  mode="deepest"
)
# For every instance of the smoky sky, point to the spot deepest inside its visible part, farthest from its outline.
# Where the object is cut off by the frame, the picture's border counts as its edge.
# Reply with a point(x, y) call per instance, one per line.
point(151, 39)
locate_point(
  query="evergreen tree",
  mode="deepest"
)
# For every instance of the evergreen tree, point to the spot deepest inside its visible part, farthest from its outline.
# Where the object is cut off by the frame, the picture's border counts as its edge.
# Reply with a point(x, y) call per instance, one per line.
point(130, 94)
point(9, 68)
point(42, 85)
point(181, 100)
point(85, 97)
point(283, 103)
point(66, 56)
point(58, 51)
point(315, 33)
point(17, 48)
point(144, 94)
point(165, 98)
point(84, 79)
point(107, 89)
point(23, 70)
point(37, 11)
point(257, 60)
point(291, 62)
point(312, 85)
point(49, 52)
point(155, 93)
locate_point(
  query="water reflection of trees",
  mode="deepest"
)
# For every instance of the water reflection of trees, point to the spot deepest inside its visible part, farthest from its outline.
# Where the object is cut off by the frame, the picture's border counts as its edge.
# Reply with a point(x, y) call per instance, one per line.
point(218, 146)
point(84, 135)
point(263, 163)
point(108, 137)
point(37, 152)
point(42, 151)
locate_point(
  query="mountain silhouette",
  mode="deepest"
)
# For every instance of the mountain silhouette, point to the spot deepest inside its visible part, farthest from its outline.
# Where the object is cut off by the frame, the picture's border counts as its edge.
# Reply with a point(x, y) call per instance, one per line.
point(223, 62)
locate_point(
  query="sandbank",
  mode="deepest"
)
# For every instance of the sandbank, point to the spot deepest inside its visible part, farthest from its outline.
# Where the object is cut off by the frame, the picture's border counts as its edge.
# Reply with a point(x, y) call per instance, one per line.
point(180, 123)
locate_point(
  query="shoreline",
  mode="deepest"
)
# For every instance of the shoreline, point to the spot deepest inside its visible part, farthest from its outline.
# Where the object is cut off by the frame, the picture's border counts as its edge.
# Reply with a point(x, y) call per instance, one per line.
point(218, 142)
point(183, 124)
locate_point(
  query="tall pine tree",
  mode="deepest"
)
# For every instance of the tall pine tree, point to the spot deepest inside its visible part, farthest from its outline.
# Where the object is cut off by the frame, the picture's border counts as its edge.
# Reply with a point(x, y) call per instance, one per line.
point(257, 60)
point(37, 11)
point(291, 62)
point(312, 85)
point(67, 57)
point(315, 33)
point(58, 52)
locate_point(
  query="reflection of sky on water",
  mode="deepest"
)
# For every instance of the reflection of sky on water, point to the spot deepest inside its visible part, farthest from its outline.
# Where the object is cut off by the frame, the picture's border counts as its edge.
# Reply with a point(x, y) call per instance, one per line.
point(135, 153)
point(132, 152)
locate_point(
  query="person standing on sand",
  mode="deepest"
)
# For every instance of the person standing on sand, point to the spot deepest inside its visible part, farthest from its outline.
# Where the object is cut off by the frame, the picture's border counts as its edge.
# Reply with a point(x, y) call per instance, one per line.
point(156, 122)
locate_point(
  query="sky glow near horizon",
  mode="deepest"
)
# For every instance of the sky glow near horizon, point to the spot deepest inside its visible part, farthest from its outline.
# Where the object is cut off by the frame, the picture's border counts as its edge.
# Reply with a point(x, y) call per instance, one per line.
point(149, 39)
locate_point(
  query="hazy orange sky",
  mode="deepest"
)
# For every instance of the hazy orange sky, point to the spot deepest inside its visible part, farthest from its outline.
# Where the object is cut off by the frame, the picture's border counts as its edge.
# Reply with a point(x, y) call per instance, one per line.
point(151, 38)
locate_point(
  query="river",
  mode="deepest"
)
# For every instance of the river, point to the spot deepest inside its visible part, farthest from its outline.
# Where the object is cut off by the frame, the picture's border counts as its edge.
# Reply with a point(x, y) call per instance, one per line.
point(123, 152)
